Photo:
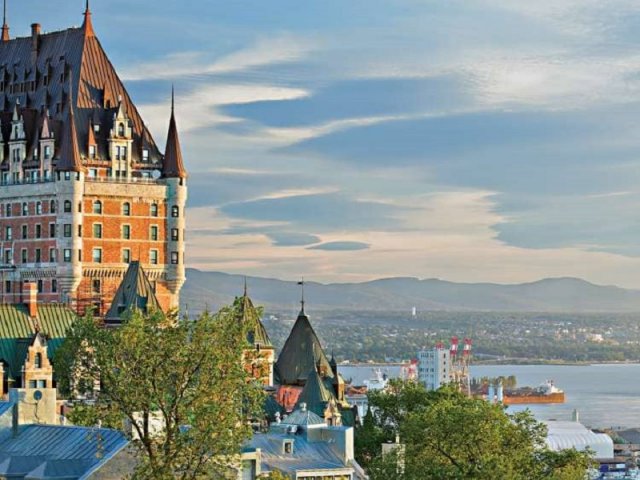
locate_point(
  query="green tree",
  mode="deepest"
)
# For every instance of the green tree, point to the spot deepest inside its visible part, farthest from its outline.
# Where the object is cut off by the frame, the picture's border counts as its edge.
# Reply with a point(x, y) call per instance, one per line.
point(187, 373)
point(447, 435)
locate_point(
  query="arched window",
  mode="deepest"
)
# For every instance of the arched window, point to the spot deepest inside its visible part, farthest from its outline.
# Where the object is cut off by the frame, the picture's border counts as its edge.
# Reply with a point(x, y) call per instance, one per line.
point(67, 206)
point(97, 206)
point(38, 360)
point(121, 130)
point(52, 206)
point(126, 209)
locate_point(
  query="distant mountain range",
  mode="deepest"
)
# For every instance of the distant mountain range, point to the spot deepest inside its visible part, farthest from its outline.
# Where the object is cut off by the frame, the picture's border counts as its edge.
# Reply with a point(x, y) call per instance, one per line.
point(214, 289)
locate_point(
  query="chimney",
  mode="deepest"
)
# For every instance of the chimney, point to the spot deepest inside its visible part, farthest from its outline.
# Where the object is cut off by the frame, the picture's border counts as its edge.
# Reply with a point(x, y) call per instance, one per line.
point(30, 298)
point(35, 35)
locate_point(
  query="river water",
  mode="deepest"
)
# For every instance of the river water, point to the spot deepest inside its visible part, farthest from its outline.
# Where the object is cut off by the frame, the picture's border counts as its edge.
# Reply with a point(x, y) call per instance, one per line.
point(604, 395)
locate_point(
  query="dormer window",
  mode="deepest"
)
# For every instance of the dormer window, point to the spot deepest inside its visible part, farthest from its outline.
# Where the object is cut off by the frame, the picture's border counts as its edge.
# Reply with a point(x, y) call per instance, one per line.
point(121, 130)
point(287, 447)
point(38, 360)
point(96, 128)
point(92, 151)
point(145, 154)
point(47, 152)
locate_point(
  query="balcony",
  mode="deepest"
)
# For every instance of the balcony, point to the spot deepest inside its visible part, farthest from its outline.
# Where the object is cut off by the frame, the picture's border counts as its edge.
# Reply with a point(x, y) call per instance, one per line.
point(138, 180)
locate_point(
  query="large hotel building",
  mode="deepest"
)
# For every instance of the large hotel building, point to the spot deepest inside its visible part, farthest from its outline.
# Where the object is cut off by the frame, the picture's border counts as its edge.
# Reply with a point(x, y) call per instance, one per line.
point(84, 189)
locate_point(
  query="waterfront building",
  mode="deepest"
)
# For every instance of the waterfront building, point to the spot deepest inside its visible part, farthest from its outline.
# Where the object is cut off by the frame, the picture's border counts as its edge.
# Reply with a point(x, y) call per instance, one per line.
point(564, 435)
point(84, 189)
point(434, 367)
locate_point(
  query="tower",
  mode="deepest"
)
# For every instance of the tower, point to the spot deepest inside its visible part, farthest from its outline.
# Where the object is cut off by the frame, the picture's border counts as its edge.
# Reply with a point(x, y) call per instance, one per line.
point(84, 189)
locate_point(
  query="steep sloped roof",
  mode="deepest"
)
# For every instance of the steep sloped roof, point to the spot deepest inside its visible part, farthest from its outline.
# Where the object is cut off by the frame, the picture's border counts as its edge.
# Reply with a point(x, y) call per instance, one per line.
point(316, 394)
point(134, 293)
point(173, 164)
point(256, 333)
point(301, 354)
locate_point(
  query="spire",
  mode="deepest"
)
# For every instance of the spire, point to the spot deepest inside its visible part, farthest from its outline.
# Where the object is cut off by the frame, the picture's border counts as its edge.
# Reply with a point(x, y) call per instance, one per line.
point(245, 286)
point(173, 165)
point(5, 27)
point(69, 157)
point(301, 283)
point(87, 25)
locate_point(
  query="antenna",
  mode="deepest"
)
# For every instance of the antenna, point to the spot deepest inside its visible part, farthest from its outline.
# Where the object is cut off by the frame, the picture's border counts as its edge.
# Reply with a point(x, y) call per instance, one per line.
point(4, 13)
point(173, 99)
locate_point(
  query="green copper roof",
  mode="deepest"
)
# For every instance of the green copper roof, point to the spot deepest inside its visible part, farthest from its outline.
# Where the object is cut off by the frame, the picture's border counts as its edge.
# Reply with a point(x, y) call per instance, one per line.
point(256, 333)
point(301, 354)
point(316, 394)
point(17, 330)
point(135, 292)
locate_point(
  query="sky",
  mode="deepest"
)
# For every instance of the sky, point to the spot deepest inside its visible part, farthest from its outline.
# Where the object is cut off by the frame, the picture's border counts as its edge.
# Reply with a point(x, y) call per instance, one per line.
point(467, 140)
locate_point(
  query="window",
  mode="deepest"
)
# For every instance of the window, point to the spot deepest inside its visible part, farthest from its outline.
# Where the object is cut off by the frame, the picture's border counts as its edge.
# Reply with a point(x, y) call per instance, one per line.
point(174, 234)
point(175, 211)
point(67, 206)
point(97, 230)
point(38, 231)
point(25, 209)
point(154, 233)
point(67, 230)
point(8, 233)
point(8, 253)
point(126, 255)
point(33, 384)
point(7, 286)
point(154, 209)
point(93, 172)
point(47, 152)
point(38, 255)
point(67, 255)
point(121, 130)
point(54, 285)
point(7, 210)
point(52, 230)
point(153, 257)
point(126, 209)
point(124, 154)
point(174, 258)
point(145, 154)
point(38, 208)
point(40, 286)
point(80, 231)
point(52, 255)
point(38, 360)
point(96, 285)
point(126, 232)
point(25, 232)
point(92, 151)
point(24, 255)
point(96, 255)
point(96, 128)
point(97, 207)
point(52, 206)
point(79, 255)
point(118, 153)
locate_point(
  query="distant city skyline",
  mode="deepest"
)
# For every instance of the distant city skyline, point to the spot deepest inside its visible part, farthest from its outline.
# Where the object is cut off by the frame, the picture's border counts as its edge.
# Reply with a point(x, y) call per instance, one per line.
point(482, 140)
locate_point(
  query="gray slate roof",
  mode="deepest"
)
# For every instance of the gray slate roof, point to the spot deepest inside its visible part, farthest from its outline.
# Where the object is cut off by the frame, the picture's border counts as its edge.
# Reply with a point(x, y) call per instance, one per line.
point(134, 293)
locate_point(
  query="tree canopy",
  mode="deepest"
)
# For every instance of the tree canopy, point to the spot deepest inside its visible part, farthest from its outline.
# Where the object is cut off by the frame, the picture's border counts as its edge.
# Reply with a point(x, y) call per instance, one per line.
point(187, 375)
point(446, 435)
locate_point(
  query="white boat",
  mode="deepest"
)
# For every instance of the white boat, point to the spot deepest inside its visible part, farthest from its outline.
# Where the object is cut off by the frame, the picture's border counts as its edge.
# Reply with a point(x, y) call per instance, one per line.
point(378, 382)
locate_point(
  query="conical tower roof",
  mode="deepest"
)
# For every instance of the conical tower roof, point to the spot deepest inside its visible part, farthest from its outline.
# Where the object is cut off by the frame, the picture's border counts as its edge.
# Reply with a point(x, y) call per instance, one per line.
point(134, 293)
point(316, 394)
point(248, 316)
point(69, 156)
point(301, 353)
point(173, 164)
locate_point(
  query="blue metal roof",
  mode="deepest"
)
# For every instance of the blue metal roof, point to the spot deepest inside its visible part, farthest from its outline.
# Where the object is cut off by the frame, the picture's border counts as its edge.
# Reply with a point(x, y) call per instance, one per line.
point(48, 452)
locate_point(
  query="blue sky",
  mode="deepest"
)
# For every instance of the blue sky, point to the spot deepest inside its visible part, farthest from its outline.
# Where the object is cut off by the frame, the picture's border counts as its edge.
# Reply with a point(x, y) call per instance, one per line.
point(469, 140)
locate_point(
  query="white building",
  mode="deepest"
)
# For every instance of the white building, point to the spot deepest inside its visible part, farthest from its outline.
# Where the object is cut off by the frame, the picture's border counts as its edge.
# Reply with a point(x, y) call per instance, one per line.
point(434, 368)
point(562, 435)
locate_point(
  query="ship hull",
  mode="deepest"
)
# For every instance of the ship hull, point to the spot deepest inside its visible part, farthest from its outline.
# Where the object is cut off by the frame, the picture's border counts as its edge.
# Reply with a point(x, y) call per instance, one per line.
point(557, 397)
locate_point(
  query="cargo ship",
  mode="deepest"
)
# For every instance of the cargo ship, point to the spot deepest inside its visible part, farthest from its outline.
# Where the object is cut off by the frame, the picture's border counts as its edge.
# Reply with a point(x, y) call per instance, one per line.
point(545, 393)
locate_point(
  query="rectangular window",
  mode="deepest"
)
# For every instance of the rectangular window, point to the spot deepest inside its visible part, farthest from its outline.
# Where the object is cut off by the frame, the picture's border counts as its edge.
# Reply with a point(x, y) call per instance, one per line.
point(33, 384)
point(174, 234)
point(97, 230)
point(38, 255)
point(154, 233)
point(7, 210)
point(80, 231)
point(8, 233)
point(25, 209)
point(145, 155)
point(25, 232)
point(126, 255)
point(7, 286)
point(95, 286)
point(153, 257)
point(24, 255)
point(54, 285)
point(126, 232)
point(52, 255)
point(52, 230)
point(93, 172)
point(38, 231)
point(47, 152)
point(79, 255)
point(67, 230)
point(154, 209)
point(97, 255)
point(40, 286)
point(67, 255)
point(7, 256)
point(38, 208)
point(175, 211)
point(174, 258)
